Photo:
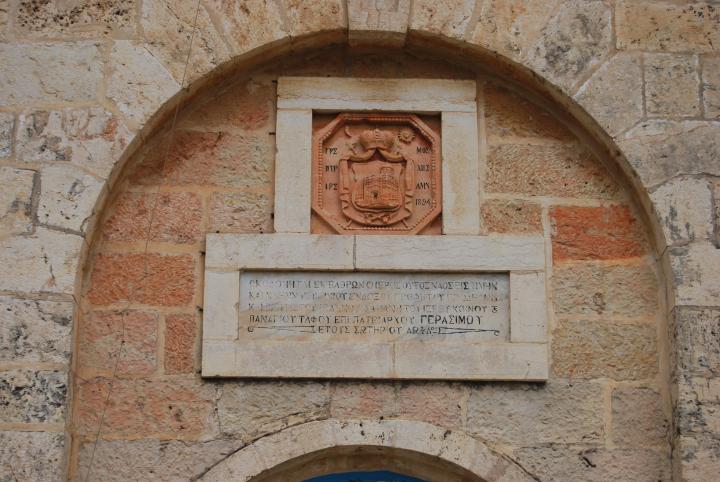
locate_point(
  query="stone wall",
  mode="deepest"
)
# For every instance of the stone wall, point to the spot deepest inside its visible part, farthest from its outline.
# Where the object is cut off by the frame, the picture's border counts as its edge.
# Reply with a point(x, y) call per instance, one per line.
point(84, 84)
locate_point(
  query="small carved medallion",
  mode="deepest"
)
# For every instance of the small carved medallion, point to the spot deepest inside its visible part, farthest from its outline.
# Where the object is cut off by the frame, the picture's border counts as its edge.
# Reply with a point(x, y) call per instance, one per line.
point(376, 173)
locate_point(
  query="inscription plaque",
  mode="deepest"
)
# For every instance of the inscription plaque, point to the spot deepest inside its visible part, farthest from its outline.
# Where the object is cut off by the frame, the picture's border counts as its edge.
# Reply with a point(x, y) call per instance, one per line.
point(369, 307)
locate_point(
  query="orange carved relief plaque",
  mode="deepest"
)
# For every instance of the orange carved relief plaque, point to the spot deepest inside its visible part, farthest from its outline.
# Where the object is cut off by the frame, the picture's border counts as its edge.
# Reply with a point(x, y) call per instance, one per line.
point(376, 174)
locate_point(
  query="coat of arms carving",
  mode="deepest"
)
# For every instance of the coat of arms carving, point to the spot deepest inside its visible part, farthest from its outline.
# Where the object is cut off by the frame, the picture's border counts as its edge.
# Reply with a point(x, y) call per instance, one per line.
point(376, 173)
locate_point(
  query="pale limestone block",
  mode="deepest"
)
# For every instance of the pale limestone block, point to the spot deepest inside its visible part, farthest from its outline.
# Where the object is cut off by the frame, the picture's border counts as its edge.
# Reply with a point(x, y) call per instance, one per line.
point(693, 334)
point(293, 163)
point(33, 396)
point(16, 216)
point(620, 107)
point(711, 86)
point(67, 197)
point(488, 361)
point(73, 20)
point(93, 139)
point(220, 306)
point(313, 16)
point(43, 262)
point(672, 84)
point(32, 456)
point(694, 270)
point(460, 174)
point(279, 251)
point(7, 123)
point(684, 208)
point(449, 18)
point(282, 446)
point(247, 24)
point(378, 22)
point(450, 253)
point(243, 465)
point(49, 73)
point(139, 84)
point(218, 358)
point(379, 433)
point(455, 447)
point(408, 95)
point(528, 308)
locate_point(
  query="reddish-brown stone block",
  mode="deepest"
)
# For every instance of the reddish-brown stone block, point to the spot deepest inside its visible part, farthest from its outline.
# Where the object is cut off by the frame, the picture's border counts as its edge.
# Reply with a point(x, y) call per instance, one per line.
point(363, 400)
point(180, 335)
point(167, 281)
point(519, 217)
point(176, 218)
point(436, 403)
point(595, 233)
point(129, 335)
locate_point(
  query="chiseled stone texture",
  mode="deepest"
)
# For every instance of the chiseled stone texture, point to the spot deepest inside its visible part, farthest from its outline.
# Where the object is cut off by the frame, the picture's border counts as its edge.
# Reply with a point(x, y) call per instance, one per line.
point(181, 347)
point(672, 85)
point(16, 206)
point(370, 20)
point(151, 459)
point(363, 400)
point(445, 17)
point(49, 73)
point(711, 86)
point(56, 19)
point(694, 335)
point(694, 270)
point(30, 396)
point(7, 123)
point(31, 456)
point(305, 16)
point(685, 209)
point(252, 409)
point(34, 330)
point(241, 213)
point(620, 107)
point(638, 428)
point(700, 455)
point(248, 24)
point(92, 138)
point(661, 149)
point(436, 403)
point(67, 197)
point(517, 217)
point(527, 414)
point(698, 406)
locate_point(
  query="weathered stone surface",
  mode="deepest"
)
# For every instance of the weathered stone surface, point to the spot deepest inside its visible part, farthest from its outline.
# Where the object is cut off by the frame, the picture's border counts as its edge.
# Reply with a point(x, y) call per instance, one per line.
point(667, 26)
point(620, 107)
point(700, 455)
point(29, 396)
point(43, 262)
point(444, 17)
point(67, 197)
point(659, 149)
point(573, 42)
point(518, 217)
point(592, 464)
point(436, 403)
point(119, 342)
point(638, 418)
point(181, 333)
point(305, 17)
point(7, 123)
point(16, 207)
point(605, 288)
point(53, 19)
point(696, 342)
point(176, 217)
point(253, 409)
point(31, 455)
point(151, 459)
point(370, 21)
point(672, 84)
point(605, 349)
point(4, 5)
point(684, 207)
point(168, 27)
point(248, 24)
point(35, 331)
point(697, 409)
point(694, 271)
point(526, 415)
point(588, 233)
point(241, 213)
point(363, 400)
point(92, 138)
point(209, 158)
point(139, 84)
point(716, 218)
point(49, 73)
point(560, 170)
point(167, 281)
point(175, 408)
point(711, 86)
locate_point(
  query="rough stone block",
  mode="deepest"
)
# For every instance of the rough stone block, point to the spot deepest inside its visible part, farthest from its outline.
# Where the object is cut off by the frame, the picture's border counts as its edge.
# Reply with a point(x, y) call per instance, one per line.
point(515, 217)
point(7, 124)
point(293, 178)
point(667, 26)
point(53, 20)
point(444, 17)
point(638, 418)
point(34, 330)
point(314, 16)
point(529, 414)
point(121, 342)
point(240, 213)
point(618, 108)
point(28, 396)
point(440, 404)
point(92, 138)
point(694, 271)
point(672, 84)
point(253, 409)
point(139, 84)
point(684, 207)
point(151, 279)
point(695, 340)
point(587, 233)
point(49, 73)
point(697, 408)
point(363, 400)
point(16, 207)
point(659, 150)
point(605, 349)
point(558, 170)
point(181, 334)
point(375, 22)
point(248, 24)
point(700, 456)
point(605, 289)
point(711, 86)
point(31, 455)
point(176, 218)
point(67, 197)
point(716, 217)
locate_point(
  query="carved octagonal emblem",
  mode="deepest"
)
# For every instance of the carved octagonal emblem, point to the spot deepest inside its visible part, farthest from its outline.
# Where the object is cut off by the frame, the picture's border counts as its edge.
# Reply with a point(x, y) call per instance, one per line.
point(376, 174)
